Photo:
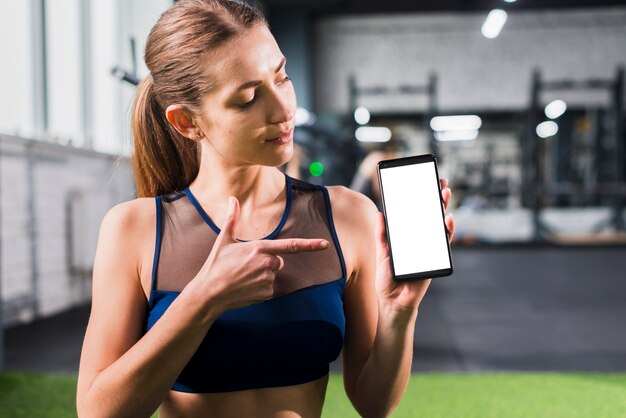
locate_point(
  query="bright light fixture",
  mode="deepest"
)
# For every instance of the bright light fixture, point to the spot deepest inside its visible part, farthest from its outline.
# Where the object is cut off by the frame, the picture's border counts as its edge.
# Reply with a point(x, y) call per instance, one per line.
point(466, 135)
point(456, 123)
point(304, 117)
point(510, 1)
point(494, 23)
point(547, 129)
point(361, 115)
point(373, 134)
point(555, 109)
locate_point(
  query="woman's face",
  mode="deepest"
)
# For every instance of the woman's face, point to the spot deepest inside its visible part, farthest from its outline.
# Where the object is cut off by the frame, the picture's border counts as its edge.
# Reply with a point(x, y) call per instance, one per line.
point(252, 101)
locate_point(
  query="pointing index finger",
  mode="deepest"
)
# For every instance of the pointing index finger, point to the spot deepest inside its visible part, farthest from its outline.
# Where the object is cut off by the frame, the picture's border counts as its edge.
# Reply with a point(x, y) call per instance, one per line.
point(293, 245)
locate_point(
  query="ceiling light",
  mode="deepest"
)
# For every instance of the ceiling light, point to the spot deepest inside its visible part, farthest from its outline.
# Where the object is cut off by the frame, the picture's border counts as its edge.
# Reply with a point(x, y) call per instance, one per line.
point(494, 23)
point(304, 117)
point(547, 129)
point(361, 115)
point(373, 134)
point(467, 135)
point(456, 123)
point(555, 109)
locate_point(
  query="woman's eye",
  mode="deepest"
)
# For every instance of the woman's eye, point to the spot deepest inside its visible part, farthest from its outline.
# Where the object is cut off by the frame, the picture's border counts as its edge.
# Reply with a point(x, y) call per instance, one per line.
point(247, 104)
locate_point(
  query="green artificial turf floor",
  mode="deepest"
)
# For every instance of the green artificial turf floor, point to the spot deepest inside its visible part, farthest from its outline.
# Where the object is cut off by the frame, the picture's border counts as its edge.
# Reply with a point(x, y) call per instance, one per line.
point(510, 395)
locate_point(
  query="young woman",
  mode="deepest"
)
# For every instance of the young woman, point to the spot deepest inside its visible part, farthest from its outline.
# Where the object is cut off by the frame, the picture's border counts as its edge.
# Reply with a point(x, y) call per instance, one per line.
point(242, 320)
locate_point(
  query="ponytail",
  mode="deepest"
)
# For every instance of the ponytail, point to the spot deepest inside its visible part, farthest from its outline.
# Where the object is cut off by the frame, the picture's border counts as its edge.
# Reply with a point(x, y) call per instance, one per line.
point(162, 159)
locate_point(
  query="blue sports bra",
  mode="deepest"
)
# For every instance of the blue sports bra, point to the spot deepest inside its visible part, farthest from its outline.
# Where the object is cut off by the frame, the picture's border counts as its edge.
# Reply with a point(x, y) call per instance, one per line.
point(287, 340)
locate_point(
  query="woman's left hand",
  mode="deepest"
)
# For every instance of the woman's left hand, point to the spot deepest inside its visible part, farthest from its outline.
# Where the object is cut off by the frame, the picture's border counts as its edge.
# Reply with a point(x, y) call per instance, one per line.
point(403, 296)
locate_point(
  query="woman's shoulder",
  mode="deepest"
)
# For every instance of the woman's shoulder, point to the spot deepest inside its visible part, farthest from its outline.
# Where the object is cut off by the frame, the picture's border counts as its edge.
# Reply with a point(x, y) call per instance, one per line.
point(354, 216)
point(132, 222)
point(351, 203)
point(350, 208)
point(131, 214)
point(127, 236)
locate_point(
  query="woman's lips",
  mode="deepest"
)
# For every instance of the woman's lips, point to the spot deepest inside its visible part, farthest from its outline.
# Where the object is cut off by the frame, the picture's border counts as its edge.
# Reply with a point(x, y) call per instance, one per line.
point(283, 139)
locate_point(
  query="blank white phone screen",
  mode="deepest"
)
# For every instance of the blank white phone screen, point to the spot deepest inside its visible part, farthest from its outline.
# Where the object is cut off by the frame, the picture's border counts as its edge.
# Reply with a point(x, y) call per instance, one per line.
point(416, 230)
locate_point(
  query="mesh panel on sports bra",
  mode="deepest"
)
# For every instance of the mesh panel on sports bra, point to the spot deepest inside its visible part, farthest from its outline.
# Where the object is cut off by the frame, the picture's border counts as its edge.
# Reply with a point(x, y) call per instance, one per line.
point(187, 240)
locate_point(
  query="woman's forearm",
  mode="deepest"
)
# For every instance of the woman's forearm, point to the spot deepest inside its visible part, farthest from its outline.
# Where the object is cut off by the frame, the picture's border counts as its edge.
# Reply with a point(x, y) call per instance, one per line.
point(136, 383)
point(385, 375)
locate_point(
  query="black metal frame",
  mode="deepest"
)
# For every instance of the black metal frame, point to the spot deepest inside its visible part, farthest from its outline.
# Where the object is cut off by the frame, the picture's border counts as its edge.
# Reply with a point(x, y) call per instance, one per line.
point(534, 188)
point(130, 77)
point(429, 89)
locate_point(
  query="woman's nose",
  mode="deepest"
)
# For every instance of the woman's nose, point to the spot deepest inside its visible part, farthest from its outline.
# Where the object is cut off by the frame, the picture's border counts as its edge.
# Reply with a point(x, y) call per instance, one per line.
point(281, 108)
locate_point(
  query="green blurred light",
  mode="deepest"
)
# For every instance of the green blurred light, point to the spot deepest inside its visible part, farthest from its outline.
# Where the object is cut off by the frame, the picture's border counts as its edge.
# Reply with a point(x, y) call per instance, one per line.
point(316, 169)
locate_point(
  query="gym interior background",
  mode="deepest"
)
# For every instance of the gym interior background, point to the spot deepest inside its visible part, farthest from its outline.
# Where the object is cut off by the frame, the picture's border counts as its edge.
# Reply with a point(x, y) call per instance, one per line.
point(522, 102)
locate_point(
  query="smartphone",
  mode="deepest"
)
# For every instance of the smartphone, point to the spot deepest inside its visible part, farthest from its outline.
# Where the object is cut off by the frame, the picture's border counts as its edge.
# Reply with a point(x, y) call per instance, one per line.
point(414, 218)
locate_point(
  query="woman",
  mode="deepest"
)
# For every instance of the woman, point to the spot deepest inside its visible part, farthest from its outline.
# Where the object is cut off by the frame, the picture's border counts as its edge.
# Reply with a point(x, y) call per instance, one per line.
point(202, 321)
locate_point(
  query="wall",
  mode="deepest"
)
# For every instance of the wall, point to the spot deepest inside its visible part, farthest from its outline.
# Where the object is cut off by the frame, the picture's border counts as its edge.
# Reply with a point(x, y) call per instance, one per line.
point(53, 198)
point(57, 85)
point(474, 73)
point(17, 100)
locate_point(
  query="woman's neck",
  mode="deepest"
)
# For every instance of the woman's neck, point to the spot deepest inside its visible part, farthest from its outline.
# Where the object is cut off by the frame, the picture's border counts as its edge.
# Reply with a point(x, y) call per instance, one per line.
point(253, 185)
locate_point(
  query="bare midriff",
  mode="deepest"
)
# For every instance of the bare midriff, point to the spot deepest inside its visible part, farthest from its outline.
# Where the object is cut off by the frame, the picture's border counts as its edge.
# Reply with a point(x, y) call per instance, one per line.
point(299, 401)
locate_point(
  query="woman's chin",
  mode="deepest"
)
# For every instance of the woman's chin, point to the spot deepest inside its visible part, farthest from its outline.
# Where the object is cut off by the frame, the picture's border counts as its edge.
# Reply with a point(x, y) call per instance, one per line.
point(281, 158)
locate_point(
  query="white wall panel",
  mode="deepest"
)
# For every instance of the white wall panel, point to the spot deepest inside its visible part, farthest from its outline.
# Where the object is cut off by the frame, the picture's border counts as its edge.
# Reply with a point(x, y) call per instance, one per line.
point(16, 72)
point(474, 72)
point(64, 77)
point(36, 276)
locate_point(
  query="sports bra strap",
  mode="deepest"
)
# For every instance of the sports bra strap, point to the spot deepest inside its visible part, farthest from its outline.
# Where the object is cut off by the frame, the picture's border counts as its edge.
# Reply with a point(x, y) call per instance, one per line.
point(157, 246)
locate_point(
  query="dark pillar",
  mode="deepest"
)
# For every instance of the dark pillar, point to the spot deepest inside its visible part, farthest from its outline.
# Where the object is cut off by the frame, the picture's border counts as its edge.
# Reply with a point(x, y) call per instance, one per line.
point(620, 147)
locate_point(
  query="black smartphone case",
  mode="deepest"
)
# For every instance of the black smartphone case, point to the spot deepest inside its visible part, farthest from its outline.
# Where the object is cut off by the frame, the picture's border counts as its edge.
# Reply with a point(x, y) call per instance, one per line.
point(417, 159)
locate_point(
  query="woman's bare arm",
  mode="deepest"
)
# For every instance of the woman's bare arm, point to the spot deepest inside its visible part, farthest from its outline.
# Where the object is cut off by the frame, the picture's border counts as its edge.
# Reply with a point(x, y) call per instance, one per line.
point(380, 314)
point(378, 345)
point(122, 374)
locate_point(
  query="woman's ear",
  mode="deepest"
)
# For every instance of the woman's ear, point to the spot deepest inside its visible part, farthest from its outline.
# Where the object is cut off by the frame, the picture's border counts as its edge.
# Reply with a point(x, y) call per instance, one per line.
point(179, 118)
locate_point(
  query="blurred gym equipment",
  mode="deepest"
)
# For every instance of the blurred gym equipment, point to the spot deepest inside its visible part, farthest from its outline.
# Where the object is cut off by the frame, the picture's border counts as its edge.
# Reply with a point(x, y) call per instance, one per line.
point(587, 168)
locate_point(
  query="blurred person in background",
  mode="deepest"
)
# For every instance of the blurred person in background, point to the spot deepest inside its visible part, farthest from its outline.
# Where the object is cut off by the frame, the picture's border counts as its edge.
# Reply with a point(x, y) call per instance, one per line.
point(239, 321)
point(365, 179)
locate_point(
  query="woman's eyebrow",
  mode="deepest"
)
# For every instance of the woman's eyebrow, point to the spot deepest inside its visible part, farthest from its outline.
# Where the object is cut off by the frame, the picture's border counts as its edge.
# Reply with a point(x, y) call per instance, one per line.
point(255, 83)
